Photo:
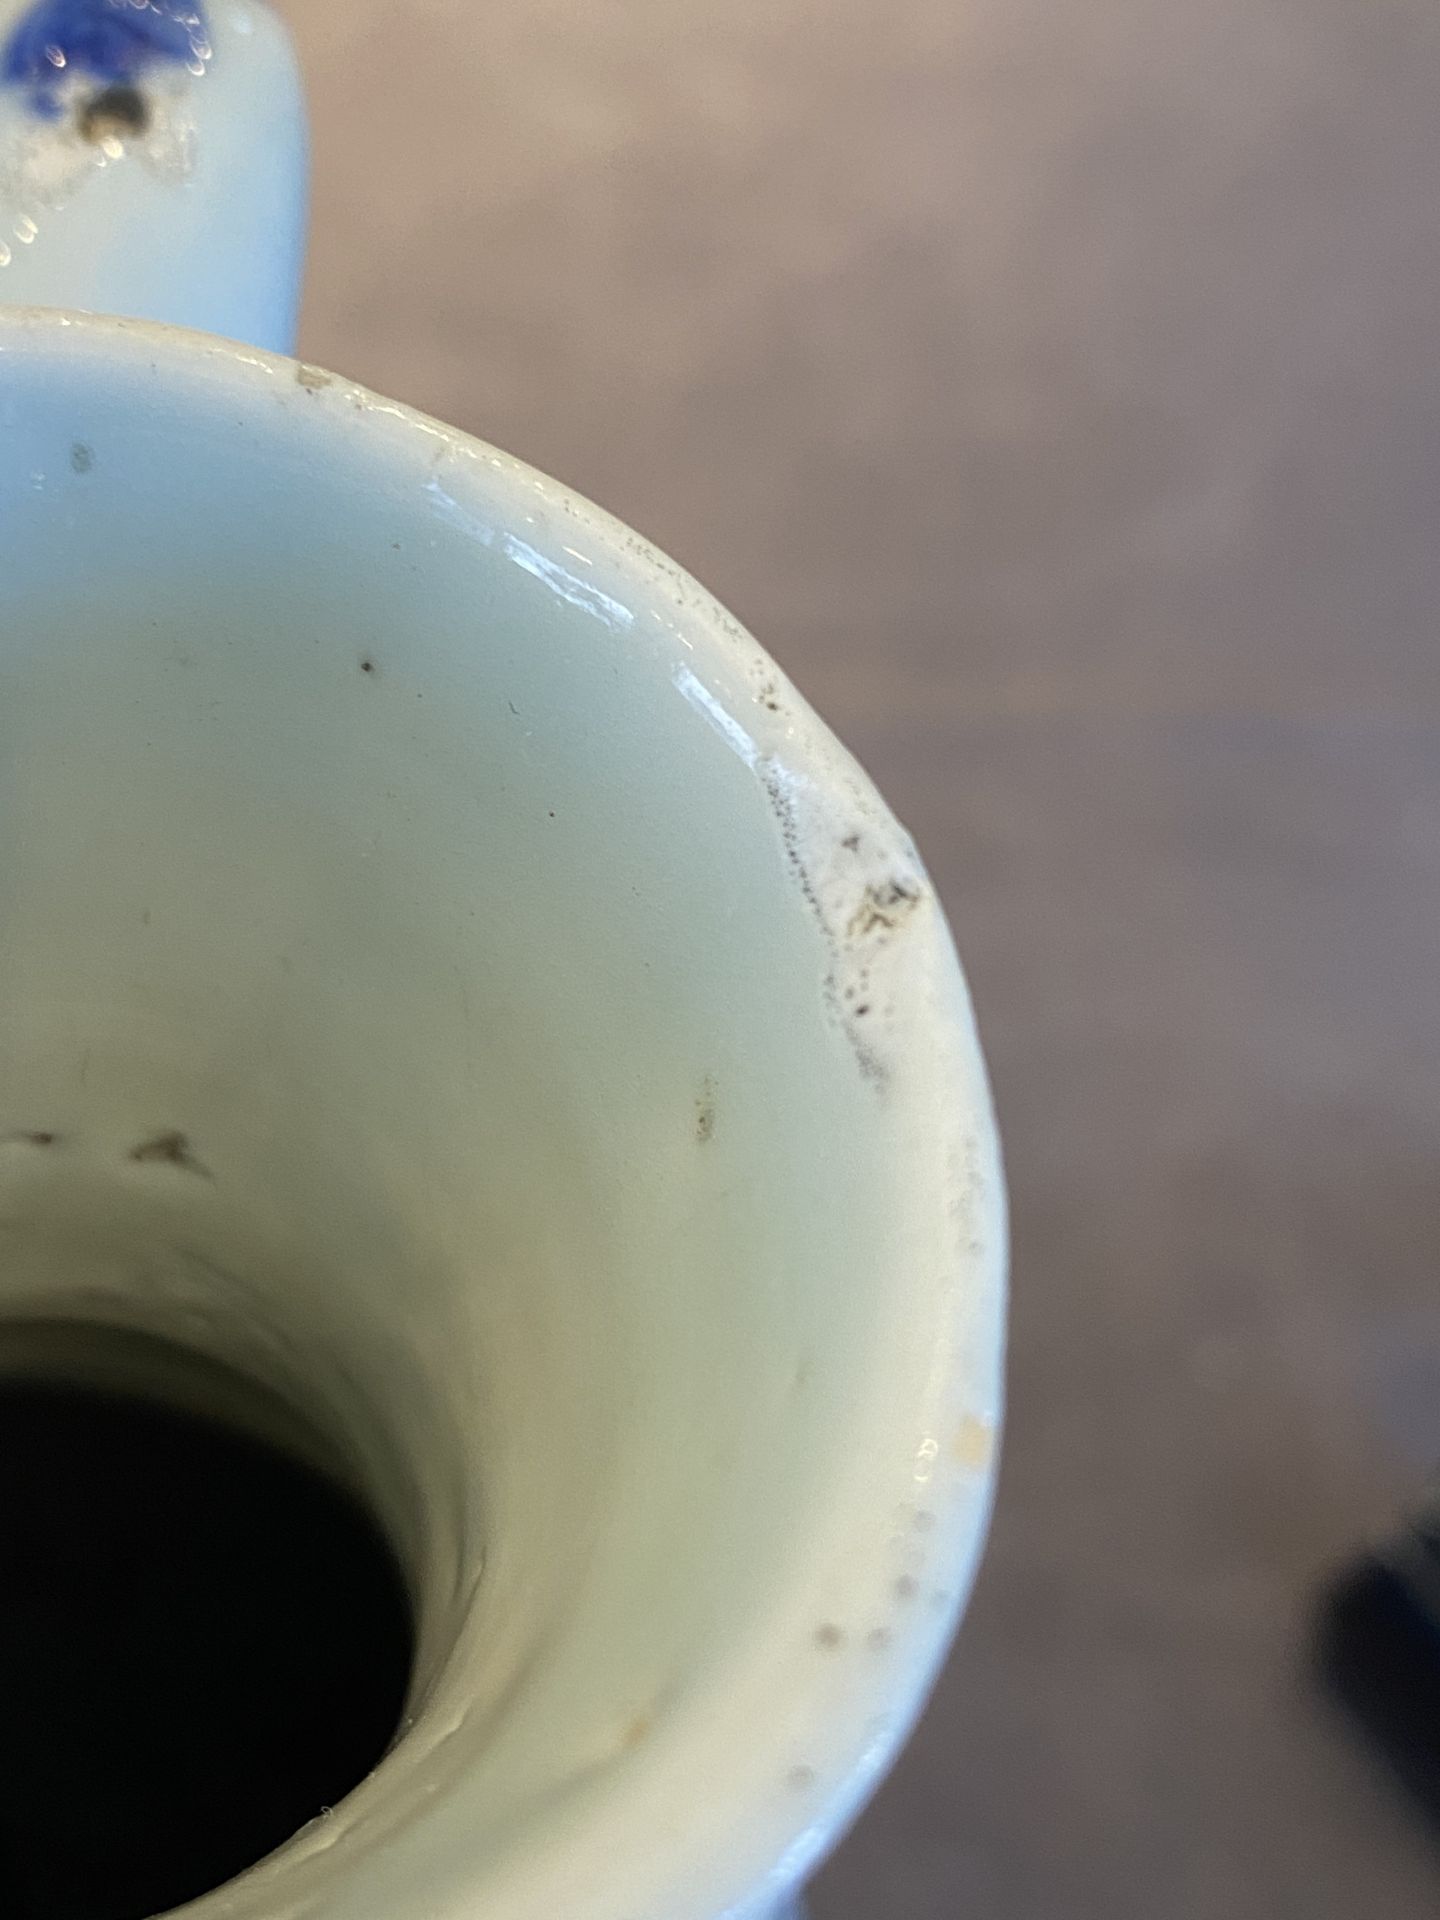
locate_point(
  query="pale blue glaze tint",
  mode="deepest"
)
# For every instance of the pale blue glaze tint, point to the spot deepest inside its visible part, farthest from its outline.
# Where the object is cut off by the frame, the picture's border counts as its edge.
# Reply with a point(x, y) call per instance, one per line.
point(112, 42)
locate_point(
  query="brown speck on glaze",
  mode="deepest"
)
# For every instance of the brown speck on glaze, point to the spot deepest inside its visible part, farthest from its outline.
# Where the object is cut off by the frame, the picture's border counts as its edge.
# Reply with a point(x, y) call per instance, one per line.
point(112, 112)
point(705, 1111)
point(829, 1636)
point(784, 810)
point(972, 1444)
point(82, 458)
point(638, 1730)
point(171, 1148)
point(311, 378)
point(367, 665)
point(906, 1587)
point(35, 1136)
point(863, 884)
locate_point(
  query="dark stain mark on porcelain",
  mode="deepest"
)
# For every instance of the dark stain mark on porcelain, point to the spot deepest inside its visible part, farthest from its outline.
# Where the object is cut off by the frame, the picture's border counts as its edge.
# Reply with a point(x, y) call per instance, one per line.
point(367, 665)
point(313, 379)
point(801, 1779)
point(705, 1111)
point(108, 49)
point(906, 1587)
point(784, 807)
point(864, 885)
point(82, 458)
point(118, 112)
point(884, 907)
point(872, 1067)
point(878, 1639)
point(34, 1136)
point(171, 1148)
point(829, 1636)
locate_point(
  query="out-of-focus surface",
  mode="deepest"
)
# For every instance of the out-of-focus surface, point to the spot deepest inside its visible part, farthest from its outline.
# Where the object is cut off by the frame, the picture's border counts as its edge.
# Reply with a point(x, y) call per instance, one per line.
point(1055, 390)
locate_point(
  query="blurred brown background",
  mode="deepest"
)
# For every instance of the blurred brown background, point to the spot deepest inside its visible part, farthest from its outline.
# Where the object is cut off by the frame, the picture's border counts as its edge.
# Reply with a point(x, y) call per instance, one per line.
point(1055, 389)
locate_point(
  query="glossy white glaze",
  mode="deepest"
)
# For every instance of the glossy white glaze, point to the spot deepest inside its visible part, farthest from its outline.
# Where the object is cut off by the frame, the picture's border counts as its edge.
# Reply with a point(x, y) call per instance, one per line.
point(585, 1113)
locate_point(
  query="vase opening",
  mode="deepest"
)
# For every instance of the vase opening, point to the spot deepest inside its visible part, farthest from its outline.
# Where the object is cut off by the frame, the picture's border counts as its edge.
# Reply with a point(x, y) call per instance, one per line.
point(206, 1637)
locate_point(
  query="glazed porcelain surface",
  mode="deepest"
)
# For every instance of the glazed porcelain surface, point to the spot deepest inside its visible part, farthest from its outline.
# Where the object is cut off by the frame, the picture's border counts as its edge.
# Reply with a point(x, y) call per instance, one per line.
point(452, 977)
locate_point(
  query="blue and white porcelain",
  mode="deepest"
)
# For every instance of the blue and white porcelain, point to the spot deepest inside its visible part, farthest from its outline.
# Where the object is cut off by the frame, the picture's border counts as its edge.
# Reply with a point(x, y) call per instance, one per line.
point(152, 163)
point(578, 1106)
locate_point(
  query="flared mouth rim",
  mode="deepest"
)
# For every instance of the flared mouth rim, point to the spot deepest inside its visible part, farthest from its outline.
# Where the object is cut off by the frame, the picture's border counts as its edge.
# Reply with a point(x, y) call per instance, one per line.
point(782, 1759)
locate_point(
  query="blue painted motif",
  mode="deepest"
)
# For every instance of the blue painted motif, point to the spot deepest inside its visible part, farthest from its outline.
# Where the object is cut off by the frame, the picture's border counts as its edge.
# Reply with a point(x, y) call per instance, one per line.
point(111, 42)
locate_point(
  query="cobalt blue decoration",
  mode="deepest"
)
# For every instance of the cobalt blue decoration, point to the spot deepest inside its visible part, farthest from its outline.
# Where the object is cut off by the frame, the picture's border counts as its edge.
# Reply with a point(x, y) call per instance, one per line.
point(109, 41)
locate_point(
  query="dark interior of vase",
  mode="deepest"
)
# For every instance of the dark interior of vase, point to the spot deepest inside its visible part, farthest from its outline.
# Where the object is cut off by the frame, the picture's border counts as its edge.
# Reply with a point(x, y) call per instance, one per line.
point(205, 1638)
